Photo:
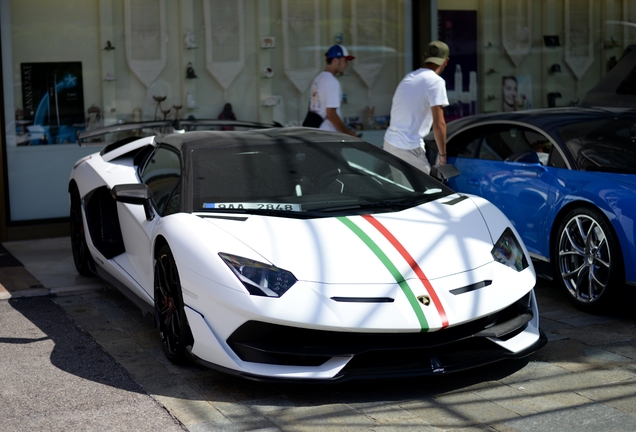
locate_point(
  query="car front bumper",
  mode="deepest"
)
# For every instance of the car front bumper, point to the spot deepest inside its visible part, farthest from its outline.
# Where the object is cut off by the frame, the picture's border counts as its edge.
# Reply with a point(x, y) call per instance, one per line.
point(266, 351)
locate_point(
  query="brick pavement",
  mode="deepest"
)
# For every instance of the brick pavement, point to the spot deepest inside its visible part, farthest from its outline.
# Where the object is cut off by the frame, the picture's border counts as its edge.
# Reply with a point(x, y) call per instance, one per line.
point(583, 380)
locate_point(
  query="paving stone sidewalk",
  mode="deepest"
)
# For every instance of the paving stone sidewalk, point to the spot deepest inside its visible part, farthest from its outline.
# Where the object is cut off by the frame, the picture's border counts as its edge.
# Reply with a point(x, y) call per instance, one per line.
point(583, 380)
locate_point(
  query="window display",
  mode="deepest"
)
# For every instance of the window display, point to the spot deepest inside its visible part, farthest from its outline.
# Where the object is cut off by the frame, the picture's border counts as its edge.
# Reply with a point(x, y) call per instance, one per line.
point(118, 61)
point(53, 98)
point(106, 62)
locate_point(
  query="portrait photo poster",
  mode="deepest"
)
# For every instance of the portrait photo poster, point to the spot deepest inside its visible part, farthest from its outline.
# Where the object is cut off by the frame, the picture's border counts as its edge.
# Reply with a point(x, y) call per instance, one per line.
point(516, 93)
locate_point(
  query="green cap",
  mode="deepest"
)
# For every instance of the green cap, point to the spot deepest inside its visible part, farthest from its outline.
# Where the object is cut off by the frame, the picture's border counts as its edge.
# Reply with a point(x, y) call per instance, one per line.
point(436, 52)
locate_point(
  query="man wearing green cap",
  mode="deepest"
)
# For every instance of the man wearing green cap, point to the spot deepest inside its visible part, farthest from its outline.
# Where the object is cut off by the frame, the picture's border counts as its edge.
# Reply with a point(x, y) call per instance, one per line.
point(418, 105)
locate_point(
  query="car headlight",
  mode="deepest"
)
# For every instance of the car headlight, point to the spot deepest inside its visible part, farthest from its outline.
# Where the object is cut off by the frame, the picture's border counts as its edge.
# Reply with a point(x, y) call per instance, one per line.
point(259, 278)
point(508, 251)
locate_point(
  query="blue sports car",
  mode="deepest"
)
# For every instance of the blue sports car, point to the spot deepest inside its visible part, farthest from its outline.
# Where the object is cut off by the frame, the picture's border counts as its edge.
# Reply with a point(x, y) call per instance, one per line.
point(566, 178)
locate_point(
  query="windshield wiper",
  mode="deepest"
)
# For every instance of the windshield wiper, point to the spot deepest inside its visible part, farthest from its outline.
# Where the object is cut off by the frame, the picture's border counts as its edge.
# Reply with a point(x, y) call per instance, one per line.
point(381, 205)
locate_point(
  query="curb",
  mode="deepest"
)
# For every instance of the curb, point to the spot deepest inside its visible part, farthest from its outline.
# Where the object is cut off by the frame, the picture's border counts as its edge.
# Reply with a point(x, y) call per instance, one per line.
point(56, 291)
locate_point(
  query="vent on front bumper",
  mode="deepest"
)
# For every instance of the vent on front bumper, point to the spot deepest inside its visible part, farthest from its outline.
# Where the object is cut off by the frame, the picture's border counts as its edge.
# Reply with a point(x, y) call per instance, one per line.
point(261, 342)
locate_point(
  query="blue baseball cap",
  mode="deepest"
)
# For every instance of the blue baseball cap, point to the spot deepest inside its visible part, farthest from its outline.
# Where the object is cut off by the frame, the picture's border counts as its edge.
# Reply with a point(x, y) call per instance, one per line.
point(338, 51)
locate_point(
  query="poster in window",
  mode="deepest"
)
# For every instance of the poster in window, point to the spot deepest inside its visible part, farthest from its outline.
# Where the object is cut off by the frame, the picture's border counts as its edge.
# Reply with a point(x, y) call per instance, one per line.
point(53, 102)
point(516, 93)
point(458, 29)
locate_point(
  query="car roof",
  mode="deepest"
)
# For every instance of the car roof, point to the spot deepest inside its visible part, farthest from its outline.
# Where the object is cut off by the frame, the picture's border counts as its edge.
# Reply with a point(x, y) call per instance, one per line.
point(546, 119)
point(195, 140)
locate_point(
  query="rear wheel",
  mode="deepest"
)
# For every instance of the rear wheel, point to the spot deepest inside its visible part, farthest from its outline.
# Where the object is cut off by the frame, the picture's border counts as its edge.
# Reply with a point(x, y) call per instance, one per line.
point(172, 323)
point(81, 256)
point(588, 260)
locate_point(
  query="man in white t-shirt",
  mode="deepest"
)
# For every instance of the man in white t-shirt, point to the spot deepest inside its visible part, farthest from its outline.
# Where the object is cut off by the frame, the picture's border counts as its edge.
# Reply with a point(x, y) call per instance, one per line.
point(418, 104)
point(326, 94)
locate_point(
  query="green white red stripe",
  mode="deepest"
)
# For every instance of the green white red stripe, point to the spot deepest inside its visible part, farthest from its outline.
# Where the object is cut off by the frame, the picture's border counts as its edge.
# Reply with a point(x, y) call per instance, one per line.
point(393, 269)
point(413, 264)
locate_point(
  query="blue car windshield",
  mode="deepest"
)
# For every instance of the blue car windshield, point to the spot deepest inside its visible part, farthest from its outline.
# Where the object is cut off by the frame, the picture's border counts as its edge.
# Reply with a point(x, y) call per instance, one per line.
point(607, 145)
point(306, 177)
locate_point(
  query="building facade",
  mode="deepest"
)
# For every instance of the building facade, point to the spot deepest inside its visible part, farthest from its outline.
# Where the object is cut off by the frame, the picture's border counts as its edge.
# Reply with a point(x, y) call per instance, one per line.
point(74, 65)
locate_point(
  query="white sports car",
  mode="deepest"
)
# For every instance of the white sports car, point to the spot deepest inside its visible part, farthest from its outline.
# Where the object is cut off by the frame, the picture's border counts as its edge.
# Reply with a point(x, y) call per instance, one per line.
point(299, 254)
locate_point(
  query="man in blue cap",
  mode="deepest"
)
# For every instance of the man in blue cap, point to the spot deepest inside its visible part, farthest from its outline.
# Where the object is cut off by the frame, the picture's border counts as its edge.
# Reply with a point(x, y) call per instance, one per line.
point(326, 93)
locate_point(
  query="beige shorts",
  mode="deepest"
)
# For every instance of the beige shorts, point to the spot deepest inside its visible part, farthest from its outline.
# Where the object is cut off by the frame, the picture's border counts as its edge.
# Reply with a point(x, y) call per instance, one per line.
point(415, 157)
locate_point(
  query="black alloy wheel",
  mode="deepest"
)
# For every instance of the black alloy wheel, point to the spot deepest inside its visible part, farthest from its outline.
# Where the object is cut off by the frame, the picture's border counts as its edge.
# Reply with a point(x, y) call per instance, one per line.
point(588, 260)
point(81, 256)
point(171, 320)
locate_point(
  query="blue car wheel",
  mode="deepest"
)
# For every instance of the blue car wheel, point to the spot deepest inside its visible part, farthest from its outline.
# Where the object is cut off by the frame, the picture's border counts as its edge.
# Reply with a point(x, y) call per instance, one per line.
point(588, 259)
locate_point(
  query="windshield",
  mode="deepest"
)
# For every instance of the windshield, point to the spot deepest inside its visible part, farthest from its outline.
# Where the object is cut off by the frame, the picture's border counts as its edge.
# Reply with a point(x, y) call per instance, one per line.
point(306, 178)
point(607, 145)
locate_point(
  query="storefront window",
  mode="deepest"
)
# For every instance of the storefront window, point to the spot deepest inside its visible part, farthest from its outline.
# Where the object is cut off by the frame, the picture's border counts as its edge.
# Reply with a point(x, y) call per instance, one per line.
point(515, 55)
point(70, 66)
point(80, 65)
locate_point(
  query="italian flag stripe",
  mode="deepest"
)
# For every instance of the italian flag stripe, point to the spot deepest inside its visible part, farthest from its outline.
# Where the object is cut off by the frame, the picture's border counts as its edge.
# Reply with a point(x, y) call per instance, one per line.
point(414, 265)
point(391, 268)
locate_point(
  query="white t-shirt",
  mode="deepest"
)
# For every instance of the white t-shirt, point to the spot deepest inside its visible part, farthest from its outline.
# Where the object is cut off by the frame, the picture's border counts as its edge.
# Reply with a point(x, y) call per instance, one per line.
point(411, 115)
point(325, 93)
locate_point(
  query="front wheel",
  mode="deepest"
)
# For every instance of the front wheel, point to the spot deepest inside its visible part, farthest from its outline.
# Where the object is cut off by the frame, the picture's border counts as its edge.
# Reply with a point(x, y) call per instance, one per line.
point(588, 259)
point(172, 323)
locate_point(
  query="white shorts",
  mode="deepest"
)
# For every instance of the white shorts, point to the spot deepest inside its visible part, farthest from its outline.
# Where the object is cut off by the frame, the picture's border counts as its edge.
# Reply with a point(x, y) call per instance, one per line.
point(415, 157)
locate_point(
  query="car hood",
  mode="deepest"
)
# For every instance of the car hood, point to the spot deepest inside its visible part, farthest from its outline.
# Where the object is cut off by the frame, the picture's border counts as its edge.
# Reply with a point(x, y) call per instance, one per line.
point(433, 240)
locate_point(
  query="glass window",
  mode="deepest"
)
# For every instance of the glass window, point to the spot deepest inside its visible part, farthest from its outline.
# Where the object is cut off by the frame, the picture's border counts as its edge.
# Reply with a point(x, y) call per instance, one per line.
point(101, 63)
point(306, 177)
point(603, 145)
point(516, 143)
point(464, 144)
point(556, 159)
point(162, 173)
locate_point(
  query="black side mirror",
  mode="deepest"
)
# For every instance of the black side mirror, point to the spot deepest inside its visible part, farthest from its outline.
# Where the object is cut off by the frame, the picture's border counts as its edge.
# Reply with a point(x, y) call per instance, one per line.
point(444, 172)
point(139, 194)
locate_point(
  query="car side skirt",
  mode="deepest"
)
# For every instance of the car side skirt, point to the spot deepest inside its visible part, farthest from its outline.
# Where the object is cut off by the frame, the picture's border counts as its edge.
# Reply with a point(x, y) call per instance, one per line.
point(145, 307)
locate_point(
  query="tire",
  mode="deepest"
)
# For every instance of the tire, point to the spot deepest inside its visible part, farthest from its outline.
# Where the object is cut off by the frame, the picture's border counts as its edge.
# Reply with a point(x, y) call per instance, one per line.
point(170, 316)
point(81, 256)
point(588, 262)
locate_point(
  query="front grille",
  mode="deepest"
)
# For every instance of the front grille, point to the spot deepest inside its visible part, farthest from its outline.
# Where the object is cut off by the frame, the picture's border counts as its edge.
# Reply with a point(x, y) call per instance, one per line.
point(269, 343)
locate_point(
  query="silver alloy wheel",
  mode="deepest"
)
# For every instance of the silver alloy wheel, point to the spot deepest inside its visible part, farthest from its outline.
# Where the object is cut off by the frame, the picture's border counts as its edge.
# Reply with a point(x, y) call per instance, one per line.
point(585, 261)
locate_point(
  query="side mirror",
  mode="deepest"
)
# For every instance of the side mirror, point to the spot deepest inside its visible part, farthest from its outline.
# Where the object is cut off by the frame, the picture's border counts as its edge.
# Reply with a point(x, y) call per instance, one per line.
point(138, 194)
point(444, 172)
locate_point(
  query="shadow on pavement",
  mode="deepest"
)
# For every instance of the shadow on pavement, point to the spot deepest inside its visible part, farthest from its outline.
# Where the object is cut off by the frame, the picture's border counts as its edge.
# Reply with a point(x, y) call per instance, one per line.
point(74, 351)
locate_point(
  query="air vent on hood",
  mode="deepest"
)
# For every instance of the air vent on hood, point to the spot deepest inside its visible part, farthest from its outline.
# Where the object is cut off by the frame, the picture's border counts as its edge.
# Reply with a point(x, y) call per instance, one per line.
point(456, 200)
point(471, 287)
point(363, 299)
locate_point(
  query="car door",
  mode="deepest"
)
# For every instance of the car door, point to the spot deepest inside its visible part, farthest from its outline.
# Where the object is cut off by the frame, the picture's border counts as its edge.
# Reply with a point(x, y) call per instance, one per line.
point(162, 173)
point(508, 165)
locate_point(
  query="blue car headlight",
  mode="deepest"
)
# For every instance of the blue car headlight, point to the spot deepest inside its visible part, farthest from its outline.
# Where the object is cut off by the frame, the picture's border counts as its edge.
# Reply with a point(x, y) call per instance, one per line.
point(508, 251)
point(259, 278)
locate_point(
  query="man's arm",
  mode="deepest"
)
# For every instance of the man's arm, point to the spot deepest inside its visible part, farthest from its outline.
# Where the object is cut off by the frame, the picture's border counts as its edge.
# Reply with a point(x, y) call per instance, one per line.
point(439, 131)
point(336, 121)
